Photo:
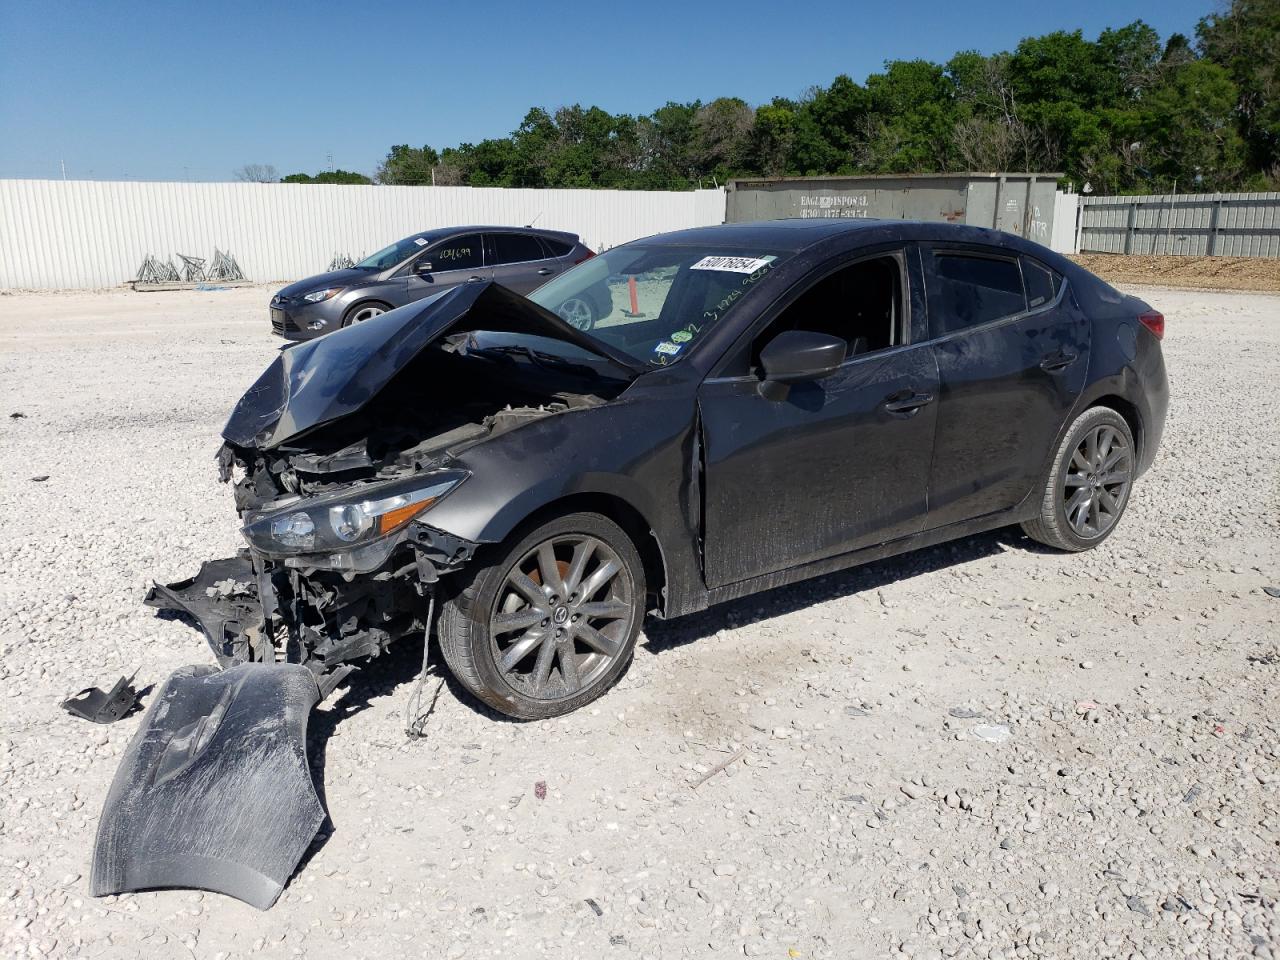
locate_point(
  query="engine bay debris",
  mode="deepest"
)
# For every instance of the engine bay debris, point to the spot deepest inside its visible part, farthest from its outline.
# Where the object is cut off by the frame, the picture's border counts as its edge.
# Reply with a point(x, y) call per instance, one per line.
point(98, 706)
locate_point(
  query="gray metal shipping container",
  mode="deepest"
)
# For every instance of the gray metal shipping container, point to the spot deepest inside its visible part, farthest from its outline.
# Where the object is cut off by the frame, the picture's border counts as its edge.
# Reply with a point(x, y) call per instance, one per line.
point(1021, 203)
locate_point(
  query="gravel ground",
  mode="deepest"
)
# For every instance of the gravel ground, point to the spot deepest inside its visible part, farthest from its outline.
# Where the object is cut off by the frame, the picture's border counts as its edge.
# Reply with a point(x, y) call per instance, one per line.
point(980, 750)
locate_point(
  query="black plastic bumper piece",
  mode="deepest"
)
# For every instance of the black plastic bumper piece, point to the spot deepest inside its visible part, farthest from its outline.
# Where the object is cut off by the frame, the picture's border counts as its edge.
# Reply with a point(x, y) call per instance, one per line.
point(214, 791)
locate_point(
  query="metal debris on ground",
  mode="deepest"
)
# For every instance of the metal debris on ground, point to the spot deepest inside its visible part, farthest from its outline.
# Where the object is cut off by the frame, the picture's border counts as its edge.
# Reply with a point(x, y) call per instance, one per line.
point(724, 765)
point(224, 267)
point(192, 268)
point(1272, 592)
point(98, 706)
point(157, 274)
point(153, 271)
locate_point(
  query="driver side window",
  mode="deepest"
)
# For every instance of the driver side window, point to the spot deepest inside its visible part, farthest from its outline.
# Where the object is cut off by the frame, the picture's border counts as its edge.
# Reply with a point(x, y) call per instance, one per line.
point(861, 304)
point(459, 253)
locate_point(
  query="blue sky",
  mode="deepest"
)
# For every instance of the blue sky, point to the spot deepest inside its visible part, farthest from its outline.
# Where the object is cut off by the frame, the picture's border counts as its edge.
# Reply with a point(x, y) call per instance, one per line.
point(167, 91)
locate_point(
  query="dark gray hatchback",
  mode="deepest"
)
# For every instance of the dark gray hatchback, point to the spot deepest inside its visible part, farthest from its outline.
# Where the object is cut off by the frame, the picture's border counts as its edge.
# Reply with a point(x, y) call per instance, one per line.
point(521, 259)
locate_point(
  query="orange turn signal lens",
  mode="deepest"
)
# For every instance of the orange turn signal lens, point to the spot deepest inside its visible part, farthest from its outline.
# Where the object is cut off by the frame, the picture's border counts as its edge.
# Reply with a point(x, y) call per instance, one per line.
point(397, 518)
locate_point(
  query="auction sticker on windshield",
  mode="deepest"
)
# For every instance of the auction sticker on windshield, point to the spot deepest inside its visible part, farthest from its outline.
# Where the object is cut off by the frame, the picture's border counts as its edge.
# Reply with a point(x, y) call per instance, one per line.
point(733, 264)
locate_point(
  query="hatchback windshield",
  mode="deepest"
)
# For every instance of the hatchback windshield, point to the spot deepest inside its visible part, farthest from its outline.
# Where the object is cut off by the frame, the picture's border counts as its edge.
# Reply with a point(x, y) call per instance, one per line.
point(388, 257)
point(653, 303)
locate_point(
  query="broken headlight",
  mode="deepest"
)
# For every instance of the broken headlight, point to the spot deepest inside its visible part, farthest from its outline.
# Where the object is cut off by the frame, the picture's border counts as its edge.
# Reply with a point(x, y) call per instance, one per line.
point(349, 518)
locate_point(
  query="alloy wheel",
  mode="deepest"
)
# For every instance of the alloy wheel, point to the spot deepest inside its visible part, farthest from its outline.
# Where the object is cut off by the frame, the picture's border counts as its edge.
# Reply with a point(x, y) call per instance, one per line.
point(366, 313)
point(562, 617)
point(1096, 482)
point(577, 313)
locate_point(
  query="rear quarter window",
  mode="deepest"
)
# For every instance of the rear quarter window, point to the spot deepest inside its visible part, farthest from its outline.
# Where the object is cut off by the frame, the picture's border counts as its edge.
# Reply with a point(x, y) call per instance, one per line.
point(556, 248)
point(966, 290)
point(1042, 283)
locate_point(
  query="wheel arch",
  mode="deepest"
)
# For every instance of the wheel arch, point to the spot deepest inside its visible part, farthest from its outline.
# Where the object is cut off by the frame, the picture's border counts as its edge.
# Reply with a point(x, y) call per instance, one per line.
point(1126, 409)
point(629, 518)
point(1103, 394)
point(364, 302)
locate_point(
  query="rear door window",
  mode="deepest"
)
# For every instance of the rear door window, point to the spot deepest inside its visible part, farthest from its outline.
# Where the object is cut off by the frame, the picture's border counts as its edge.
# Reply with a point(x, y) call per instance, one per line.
point(966, 290)
point(459, 253)
point(515, 248)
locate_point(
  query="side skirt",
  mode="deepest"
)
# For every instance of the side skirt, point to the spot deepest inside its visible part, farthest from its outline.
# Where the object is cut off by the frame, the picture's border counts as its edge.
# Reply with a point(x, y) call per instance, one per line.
point(917, 541)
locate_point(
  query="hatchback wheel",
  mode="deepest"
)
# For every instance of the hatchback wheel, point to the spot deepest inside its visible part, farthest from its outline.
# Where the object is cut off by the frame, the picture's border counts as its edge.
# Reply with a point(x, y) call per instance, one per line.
point(578, 313)
point(1088, 485)
point(549, 623)
point(363, 312)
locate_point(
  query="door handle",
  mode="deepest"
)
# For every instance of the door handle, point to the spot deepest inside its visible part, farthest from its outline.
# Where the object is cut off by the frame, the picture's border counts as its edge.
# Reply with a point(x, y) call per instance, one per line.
point(1058, 360)
point(545, 272)
point(475, 279)
point(905, 401)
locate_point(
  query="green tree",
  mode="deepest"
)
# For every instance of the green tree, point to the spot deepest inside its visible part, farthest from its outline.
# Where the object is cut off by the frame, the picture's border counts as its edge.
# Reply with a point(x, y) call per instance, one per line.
point(408, 165)
point(1245, 41)
point(327, 176)
point(1190, 129)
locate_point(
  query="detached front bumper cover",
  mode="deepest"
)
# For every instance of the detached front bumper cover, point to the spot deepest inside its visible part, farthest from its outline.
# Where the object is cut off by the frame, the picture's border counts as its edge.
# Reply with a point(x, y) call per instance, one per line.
point(214, 791)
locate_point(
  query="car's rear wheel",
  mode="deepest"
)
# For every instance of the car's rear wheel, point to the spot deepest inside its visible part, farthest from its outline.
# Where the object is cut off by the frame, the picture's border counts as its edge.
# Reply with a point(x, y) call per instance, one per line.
point(578, 312)
point(362, 312)
point(1088, 486)
point(548, 622)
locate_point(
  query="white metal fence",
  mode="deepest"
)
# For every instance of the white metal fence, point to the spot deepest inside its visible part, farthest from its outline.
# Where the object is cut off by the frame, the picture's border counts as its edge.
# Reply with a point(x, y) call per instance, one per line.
point(1193, 224)
point(58, 234)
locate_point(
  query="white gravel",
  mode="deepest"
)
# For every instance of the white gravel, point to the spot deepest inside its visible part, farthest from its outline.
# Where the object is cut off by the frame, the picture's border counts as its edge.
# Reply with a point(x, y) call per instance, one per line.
point(982, 750)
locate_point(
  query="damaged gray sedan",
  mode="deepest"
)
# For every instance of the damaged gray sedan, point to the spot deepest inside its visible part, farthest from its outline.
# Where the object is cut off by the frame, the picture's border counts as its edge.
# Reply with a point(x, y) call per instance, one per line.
point(775, 401)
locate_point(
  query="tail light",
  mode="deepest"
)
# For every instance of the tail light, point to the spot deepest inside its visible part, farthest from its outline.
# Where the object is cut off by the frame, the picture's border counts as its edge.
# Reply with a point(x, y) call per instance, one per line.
point(584, 259)
point(1153, 320)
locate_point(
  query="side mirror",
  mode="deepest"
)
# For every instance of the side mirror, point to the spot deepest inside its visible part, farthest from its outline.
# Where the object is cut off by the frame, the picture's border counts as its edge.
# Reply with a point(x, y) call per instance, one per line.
point(422, 267)
point(795, 356)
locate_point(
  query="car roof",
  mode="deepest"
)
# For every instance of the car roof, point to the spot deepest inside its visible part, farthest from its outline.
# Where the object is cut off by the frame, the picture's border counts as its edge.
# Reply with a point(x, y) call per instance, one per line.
point(440, 233)
point(795, 235)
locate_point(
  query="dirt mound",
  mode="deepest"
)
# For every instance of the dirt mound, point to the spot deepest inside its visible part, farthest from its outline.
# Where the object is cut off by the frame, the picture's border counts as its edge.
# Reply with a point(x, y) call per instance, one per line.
point(1203, 273)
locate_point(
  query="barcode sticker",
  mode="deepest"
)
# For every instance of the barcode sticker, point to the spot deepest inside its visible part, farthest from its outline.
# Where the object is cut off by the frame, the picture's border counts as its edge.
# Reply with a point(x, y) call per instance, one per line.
point(733, 264)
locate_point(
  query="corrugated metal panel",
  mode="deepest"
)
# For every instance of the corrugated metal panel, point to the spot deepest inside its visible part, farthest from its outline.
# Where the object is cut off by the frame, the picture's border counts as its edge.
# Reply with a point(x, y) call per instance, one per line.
point(1200, 224)
point(58, 234)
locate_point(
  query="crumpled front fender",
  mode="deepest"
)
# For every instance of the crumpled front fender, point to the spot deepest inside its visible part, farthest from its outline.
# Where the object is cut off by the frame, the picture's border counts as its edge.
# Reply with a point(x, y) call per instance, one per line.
point(214, 791)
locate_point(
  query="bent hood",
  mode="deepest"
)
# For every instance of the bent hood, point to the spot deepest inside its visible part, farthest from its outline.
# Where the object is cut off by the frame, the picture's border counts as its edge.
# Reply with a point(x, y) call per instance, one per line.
point(322, 380)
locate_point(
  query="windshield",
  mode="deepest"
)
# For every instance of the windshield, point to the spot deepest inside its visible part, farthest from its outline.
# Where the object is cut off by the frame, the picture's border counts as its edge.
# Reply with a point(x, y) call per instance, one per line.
point(653, 303)
point(388, 257)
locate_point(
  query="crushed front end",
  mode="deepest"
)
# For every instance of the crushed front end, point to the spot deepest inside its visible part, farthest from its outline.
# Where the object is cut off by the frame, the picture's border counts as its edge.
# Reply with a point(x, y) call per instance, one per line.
point(338, 563)
point(336, 457)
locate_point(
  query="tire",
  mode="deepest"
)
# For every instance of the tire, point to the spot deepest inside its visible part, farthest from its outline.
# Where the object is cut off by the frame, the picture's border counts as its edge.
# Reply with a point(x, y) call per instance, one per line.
point(1085, 493)
point(529, 670)
point(364, 311)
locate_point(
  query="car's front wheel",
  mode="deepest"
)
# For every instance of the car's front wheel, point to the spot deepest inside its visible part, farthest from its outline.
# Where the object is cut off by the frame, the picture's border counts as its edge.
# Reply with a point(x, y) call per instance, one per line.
point(1088, 485)
point(362, 312)
point(548, 621)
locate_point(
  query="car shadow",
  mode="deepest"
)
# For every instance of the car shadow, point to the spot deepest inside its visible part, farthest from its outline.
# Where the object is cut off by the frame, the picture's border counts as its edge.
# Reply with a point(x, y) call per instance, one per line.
point(663, 635)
